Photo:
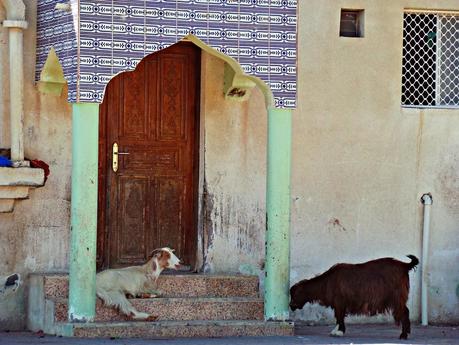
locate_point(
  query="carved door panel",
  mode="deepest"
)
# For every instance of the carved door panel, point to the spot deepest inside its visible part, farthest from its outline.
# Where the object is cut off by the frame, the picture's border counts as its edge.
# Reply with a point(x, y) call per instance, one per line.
point(150, 201)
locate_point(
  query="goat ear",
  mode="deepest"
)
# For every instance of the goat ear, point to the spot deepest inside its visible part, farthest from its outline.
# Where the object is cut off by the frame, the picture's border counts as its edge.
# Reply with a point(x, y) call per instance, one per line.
point(156, 252)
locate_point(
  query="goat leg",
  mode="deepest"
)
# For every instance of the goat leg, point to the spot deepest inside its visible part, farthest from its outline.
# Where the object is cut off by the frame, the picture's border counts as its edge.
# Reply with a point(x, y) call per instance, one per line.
point(340, 328)
point(406, 324)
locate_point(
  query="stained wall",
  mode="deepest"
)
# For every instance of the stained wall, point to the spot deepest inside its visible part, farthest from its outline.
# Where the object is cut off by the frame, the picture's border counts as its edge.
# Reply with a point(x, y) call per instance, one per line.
point(35, 237)
point(361, 162)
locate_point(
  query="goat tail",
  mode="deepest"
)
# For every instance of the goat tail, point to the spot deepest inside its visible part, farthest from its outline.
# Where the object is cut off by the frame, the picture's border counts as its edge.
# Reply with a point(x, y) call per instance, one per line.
point(414, 262)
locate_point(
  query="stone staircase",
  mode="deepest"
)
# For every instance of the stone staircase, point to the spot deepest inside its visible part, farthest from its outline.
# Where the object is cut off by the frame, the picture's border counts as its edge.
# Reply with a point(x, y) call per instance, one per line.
point(192, 305)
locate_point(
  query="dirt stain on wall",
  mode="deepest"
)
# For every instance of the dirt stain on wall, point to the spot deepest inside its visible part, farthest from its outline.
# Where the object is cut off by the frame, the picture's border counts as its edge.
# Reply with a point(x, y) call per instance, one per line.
point(335, 224)
point(448, 181)
point(240, 226)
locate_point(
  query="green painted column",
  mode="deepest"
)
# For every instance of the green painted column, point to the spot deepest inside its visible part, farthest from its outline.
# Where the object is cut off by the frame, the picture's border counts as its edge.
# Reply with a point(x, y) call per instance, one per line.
point(82, 284)
point(277, 264)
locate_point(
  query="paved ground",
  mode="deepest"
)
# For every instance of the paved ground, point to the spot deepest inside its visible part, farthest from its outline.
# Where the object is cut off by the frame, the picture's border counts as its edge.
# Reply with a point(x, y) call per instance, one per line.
point(356, 334)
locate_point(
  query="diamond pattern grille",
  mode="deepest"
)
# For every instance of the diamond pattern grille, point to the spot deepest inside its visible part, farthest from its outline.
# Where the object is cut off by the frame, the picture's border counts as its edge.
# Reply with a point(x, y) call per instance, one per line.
point(449, 60)
point(430, 67)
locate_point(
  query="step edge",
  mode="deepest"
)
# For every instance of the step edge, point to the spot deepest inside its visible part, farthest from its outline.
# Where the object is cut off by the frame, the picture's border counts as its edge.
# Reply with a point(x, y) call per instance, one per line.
point(174, 276)
point(180, 299)
point(181, 323)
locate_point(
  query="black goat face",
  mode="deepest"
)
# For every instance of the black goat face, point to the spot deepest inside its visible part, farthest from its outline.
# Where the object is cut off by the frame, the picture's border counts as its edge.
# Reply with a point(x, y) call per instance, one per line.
point(295, 298)
point(295, 306)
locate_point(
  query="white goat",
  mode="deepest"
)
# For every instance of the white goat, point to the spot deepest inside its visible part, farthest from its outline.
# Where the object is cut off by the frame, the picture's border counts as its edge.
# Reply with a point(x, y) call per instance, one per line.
point(113, 285)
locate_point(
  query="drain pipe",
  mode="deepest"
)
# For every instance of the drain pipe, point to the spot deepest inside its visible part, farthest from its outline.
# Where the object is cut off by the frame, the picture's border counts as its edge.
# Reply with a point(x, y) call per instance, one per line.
point(427, 200)
point(15, 22)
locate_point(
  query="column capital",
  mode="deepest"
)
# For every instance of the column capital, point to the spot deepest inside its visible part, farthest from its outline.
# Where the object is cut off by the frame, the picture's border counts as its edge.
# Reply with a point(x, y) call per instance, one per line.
point(19, 24)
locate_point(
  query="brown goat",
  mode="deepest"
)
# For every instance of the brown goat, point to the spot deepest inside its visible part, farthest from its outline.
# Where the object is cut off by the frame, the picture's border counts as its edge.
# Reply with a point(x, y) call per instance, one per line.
point(368, 288)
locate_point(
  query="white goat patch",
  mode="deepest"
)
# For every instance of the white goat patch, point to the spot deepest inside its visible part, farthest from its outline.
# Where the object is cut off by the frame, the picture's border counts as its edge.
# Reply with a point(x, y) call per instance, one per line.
point(336, 332)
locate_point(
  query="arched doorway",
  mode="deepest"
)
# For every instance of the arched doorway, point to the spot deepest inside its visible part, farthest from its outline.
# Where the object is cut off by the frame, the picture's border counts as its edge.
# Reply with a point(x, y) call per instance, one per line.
point(84, 208)
point(149, 199)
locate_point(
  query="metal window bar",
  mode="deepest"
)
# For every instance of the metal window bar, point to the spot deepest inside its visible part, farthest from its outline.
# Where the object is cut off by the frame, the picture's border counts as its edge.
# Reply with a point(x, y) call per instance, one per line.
point(438, 69)
point(430, 66)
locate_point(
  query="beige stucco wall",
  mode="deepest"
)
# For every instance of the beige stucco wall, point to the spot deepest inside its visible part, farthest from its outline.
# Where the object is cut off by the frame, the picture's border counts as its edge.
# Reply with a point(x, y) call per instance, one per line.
point(35, 236)
point(361, 162)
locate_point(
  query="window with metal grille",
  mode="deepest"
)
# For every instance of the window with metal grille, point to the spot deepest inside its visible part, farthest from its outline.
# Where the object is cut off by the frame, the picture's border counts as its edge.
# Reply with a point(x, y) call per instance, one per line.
point(430, 72)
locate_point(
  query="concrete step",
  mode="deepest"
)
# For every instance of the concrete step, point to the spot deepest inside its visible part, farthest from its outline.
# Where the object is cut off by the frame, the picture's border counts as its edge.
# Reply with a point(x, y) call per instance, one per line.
point(175, 309)
point(182, 285)
point(175, 329)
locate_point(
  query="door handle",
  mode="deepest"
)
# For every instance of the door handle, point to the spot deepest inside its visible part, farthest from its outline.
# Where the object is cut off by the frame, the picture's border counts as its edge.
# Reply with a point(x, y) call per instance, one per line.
point(115, 154)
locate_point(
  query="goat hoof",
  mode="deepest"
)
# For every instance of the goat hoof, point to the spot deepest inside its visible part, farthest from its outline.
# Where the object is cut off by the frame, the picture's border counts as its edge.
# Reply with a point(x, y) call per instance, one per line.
point(404, 336)
point(141, 316)
point(152, 318)
point(336, 332)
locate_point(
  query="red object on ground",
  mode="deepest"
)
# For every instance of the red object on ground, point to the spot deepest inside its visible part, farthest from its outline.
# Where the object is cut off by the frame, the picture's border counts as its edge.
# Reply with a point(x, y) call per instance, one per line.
point(36, 163)
point(40, 333)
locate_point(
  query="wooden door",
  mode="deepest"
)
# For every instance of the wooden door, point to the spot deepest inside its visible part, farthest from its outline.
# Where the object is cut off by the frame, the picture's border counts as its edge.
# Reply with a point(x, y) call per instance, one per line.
point(150, 201)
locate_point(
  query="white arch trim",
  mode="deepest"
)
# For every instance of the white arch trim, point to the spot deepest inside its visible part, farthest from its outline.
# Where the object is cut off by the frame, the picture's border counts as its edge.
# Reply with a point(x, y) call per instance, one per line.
point(240, 79)
point(237, 83)
point(15, 9)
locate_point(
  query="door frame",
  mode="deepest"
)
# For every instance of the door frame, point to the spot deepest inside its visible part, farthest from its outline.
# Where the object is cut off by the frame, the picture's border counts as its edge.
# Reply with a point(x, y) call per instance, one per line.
point(103, 241)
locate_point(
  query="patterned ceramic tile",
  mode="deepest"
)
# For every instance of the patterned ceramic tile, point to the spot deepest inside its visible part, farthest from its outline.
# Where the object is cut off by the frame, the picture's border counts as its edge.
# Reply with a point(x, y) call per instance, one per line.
point(57, 29)
point(114, 35)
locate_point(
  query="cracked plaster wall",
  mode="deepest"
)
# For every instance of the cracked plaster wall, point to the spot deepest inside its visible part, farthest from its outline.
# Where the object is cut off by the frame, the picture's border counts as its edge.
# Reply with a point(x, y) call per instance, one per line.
point(35, 236)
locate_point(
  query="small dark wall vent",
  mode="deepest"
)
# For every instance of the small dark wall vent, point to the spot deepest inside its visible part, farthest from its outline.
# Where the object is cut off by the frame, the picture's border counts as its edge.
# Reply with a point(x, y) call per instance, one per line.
point(351, 23)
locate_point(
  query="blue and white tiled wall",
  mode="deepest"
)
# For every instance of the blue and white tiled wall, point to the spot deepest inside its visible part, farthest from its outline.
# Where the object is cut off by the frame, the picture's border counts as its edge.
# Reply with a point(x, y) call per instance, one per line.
point(57, 29)
point(116, 34)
